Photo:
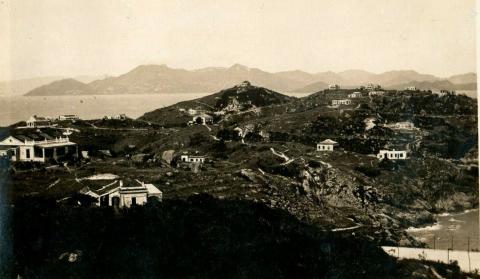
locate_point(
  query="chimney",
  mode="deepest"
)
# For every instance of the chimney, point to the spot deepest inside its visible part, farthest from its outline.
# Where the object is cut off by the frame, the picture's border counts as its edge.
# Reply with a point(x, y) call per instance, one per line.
point(121, 183)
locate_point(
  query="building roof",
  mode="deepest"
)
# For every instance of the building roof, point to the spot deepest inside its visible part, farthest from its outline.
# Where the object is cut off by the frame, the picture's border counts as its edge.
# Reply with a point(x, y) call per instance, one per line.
point(329, 141)
point(55, 144)
point(152, 189)
point(6, 147)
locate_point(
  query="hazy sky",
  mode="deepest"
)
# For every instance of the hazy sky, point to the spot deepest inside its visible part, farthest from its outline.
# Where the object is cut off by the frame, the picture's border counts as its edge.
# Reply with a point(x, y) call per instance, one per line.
point(76, 37)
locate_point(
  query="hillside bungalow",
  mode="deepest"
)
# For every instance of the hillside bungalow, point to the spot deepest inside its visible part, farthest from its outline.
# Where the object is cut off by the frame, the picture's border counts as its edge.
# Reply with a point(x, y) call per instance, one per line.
point(411, 88)
point(355, 95)
point(121, 116)
point(444, 93)
point(119, 194)
point(341, 102)
point(39, 122)
point(192, 158)
point(376, 93)
point(326, 145)
point(202, 119)
point(405, 125)
point(392, 154)
point(372, 87)
point(333, 87)
point(194, 112)
point(37, 148)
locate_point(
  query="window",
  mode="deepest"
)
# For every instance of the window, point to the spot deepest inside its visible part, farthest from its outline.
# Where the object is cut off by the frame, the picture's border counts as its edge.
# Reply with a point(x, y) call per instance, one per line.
point(134, 201)
point(28, 153)
point(401, 155)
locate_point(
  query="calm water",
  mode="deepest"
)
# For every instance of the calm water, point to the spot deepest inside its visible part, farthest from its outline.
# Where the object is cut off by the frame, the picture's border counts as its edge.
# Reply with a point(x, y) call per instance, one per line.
point(462, 227)
point(18, 108)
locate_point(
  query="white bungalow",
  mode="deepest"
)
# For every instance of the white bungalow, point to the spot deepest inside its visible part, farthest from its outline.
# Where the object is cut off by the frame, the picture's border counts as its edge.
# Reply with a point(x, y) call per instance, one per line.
point(24, 148)
point(355, 95)
point(326, 145)
point(411, 88)
point(202, 119)
point(119, 195)
point(341, 102)
point(333, 87)
point(392, 154)
point(192, 158)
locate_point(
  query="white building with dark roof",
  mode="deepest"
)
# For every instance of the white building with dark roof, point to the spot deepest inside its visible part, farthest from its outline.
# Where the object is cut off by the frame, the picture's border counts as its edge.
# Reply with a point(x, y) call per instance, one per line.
point(326, 145)
point(118, 194)
point(37, 147)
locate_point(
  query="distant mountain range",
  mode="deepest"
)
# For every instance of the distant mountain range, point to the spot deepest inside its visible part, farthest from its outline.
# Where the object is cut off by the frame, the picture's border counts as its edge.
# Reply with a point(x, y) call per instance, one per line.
point(151, 79)
point(22, 86)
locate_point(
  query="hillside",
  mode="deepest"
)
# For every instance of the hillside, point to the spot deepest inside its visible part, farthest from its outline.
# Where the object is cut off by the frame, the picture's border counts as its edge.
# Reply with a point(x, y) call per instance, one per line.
point(314, 87)
point(153, 79)
point(240, 98)
point(64, 87)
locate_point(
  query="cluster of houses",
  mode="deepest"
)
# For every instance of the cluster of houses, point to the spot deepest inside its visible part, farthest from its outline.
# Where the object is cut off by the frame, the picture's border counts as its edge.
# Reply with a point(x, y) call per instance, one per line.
point(37, 147)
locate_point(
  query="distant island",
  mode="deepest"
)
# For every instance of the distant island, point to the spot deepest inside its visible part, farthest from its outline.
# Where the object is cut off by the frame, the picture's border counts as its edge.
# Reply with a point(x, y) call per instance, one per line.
point(153, 79)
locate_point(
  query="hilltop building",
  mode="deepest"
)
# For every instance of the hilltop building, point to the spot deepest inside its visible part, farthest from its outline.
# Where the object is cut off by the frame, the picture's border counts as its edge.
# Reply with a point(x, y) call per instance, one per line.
point(372, 87)
point(326, 145)
point(333, 87)
point(341, 102)
point(411, 88)
point(39, 122)
point(121, 116)
point(392, 154)
point(192, 158)
point(66, 117)
point(355, 95)
point(37, 147)
point(119, 194)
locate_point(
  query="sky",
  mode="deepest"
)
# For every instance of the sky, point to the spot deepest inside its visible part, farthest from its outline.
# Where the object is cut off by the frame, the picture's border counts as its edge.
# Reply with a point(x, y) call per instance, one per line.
point(96, 37)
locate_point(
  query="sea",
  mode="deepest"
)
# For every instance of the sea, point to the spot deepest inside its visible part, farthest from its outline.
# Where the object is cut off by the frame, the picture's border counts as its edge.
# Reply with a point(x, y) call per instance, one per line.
point(459, 231)
point(19, 108)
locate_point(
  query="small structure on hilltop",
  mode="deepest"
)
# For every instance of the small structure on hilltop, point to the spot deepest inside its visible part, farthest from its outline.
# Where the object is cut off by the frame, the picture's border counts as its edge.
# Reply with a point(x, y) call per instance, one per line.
point(37, 147)
point(333, 87)
point(244, 86)
point(376, 93)
point(404, 125)
point(341, 102)
point(355, 95)
point(119, 194)
point(202, 119)
point(373, 87)
point(326, 145)
point(192, 158)
point(411, 88)
point(392, 154)
point(39, 122)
